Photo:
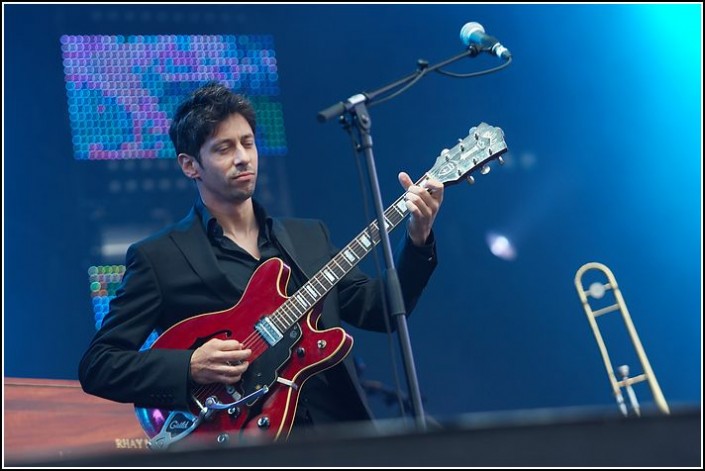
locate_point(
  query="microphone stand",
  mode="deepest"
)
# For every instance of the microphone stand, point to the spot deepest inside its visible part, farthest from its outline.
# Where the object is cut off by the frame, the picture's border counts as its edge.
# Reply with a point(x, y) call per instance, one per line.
point(356, 106)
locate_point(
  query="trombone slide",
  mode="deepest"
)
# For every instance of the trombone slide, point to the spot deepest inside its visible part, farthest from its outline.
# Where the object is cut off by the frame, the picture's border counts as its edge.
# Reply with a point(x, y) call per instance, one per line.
point(597, 290)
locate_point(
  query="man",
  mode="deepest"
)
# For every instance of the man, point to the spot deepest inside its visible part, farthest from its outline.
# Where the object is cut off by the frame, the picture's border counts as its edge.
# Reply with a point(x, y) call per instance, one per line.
point(203, 264)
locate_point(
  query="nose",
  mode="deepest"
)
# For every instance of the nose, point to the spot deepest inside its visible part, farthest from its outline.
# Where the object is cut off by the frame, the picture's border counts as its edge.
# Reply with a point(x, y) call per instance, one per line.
point(242, 156)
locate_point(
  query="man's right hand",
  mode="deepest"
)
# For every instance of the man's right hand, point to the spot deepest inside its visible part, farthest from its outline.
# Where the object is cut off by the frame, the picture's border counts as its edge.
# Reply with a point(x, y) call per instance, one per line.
point(219, 361)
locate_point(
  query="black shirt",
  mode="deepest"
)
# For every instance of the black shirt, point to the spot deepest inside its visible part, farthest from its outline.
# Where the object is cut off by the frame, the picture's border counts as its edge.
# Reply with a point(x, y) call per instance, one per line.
point(238, 264)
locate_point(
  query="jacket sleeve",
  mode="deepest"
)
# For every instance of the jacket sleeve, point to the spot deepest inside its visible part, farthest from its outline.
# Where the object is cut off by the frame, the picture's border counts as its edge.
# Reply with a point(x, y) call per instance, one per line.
point(113, 366)
point(362, 299)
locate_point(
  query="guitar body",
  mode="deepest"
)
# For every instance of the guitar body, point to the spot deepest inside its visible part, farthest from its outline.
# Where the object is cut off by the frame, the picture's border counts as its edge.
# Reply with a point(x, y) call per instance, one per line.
point(282, 368)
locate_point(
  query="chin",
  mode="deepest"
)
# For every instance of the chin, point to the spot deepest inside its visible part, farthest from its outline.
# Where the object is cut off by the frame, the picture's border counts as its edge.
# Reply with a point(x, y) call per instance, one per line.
point(243, 196)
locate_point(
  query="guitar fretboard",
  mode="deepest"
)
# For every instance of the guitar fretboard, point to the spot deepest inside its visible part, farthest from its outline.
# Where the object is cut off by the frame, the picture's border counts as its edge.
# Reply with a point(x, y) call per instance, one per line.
point(482, 144)
point(340, 265)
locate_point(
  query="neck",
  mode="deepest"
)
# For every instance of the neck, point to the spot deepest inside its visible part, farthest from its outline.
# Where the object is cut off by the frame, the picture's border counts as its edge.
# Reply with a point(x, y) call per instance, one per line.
point(235, 218)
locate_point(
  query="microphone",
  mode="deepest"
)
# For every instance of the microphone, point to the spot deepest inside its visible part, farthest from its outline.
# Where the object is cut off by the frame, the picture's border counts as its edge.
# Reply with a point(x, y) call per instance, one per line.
point(473, 34)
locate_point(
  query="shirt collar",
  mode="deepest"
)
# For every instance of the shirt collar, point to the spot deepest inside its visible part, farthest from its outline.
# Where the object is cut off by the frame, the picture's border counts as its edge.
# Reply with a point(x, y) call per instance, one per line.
point(212, 227)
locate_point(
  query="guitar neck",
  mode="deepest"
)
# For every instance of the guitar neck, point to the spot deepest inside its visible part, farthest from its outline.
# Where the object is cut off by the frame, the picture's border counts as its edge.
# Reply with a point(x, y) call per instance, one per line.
point(340, 265)
point(482, 144)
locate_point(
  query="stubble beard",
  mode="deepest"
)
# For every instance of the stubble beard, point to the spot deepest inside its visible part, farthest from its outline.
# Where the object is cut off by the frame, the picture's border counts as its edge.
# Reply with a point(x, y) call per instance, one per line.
point(240, 195)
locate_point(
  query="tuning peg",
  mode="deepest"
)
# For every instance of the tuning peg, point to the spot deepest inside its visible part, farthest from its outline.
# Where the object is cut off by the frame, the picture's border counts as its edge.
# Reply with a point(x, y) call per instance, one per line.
point(471, 180)
point(485, 169)
point(500, 159)
point(462, 147)
point(444, 153)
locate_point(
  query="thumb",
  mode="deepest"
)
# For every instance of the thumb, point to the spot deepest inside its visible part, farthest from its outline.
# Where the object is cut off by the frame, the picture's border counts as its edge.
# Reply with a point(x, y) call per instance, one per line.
point(405, 180)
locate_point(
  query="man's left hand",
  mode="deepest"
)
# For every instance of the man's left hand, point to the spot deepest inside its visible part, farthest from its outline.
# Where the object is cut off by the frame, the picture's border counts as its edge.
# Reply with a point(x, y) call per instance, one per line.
point(423, 203)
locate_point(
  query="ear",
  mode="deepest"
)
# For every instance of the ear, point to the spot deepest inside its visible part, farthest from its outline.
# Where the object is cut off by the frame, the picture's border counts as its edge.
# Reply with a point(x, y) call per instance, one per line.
point(189, 165)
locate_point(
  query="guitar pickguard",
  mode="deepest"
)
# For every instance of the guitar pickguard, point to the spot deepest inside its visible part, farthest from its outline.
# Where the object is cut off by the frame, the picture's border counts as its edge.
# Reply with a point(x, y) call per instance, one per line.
point(265, 369)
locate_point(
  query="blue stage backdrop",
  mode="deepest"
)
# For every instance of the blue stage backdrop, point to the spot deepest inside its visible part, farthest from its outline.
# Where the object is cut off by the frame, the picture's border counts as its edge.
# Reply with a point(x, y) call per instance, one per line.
point(601, 109)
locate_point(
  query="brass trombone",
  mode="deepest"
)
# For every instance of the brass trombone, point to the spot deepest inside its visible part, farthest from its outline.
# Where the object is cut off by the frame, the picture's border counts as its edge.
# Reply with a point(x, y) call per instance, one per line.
point(597, 291)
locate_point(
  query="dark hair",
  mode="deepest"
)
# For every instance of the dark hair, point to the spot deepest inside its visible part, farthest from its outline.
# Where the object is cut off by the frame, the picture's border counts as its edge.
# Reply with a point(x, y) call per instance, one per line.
point(198, 116)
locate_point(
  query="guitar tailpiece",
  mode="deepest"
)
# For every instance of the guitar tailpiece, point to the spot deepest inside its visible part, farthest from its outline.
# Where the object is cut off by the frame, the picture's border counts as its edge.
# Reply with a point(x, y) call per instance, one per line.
point(177, 425)
point(213, 406)
point(183, 423)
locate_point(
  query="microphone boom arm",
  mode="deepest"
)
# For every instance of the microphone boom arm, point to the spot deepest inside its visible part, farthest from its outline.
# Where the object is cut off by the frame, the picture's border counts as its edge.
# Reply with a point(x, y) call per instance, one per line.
point(368, 97)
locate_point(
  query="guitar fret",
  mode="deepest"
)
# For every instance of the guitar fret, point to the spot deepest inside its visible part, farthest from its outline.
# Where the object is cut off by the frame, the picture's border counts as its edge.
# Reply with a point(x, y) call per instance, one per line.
point(329, 275)
point(365, 241)
point(315, 283)
point(278, 324)
point(375, 232)
point(295, 309)
point(320, 279)
point(306, 296)
point(302, 302)
point(287, 307)
point(401, 207)
point(357, 249)
point(342, 272)
point(287, 321)
point(339, 259)
point(349, 255)
point(277, 318)
point(312, 291)
point(387, 224)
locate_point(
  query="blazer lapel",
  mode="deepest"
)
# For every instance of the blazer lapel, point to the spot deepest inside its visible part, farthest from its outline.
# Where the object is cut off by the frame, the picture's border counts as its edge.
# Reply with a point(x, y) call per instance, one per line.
point(282, 236)
point(193, 243)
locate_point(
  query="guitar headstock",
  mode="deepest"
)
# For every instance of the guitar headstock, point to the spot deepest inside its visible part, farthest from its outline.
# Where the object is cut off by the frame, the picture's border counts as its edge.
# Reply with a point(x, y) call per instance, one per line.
point(482, 144)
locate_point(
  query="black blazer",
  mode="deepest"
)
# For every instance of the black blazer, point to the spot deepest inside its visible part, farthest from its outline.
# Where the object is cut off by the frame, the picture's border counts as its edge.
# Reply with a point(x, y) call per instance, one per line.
point(174, 275)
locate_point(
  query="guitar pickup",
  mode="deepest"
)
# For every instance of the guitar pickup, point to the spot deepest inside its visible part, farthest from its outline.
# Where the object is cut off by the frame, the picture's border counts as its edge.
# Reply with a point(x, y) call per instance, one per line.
point(268, 331)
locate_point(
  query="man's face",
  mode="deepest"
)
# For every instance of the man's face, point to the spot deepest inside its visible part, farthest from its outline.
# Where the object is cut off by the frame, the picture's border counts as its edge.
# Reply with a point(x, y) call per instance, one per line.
point(228, 170)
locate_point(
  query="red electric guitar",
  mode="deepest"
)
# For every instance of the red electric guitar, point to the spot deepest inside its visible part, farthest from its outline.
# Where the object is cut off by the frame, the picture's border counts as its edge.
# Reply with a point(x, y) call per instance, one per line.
point(287, 348)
